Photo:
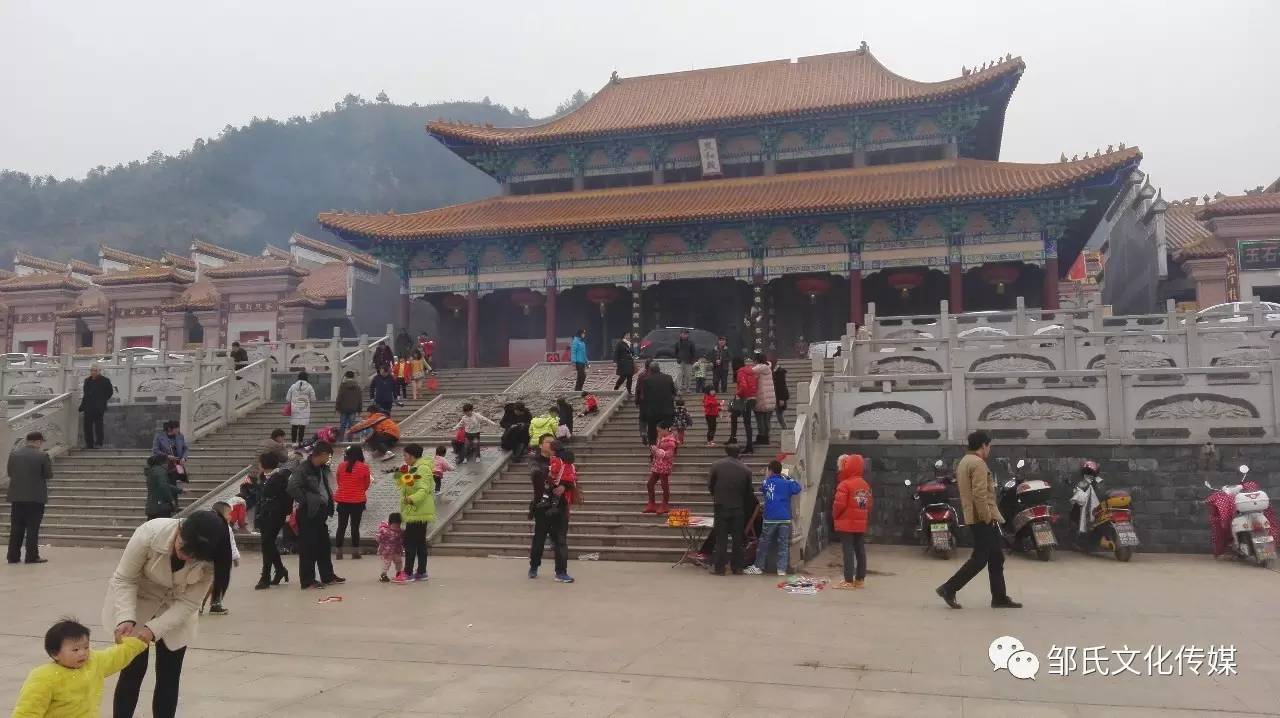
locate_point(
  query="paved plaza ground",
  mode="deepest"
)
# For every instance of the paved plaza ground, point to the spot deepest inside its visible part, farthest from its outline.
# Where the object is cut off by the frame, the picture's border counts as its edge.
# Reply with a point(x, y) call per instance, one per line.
point(649, 640)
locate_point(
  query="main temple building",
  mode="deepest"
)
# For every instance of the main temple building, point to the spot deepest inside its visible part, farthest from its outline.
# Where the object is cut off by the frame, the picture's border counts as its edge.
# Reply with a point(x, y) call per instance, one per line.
point(770, 201)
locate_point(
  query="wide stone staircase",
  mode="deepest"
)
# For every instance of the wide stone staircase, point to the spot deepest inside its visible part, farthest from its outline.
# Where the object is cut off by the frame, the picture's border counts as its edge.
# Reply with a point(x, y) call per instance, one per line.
point(97, 498)
point(613, 467)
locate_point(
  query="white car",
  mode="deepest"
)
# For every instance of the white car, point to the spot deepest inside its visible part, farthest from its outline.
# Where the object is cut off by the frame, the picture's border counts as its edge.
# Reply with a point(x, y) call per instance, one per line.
point(1237, 312)
point(823, 350)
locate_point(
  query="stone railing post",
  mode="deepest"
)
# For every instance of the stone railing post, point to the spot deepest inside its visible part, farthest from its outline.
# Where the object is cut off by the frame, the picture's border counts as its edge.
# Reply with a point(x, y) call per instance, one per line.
point(266, 380)
point(66, 375)
point(870, 318)
point(69, 423)
point(958, 405)
point(362, 359)
point(197, 369)
point(1070, 351)
point(228, 400)
point(6, 442)
point(1193, 339)
point(335, 363)
point(1171, 315)
point(187, 410)
point(1020, 316)
point(1114, 390)
point(1255, 311)
point(126, 392)
point(1274, 366)
point(1095, 318)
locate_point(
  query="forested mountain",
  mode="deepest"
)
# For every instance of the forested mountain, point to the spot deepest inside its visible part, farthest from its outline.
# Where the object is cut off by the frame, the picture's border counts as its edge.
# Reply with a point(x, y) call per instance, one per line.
point(252, 184)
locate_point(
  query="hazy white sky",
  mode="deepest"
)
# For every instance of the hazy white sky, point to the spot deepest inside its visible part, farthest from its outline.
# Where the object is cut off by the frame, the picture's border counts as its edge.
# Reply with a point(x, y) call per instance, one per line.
point(87, 82)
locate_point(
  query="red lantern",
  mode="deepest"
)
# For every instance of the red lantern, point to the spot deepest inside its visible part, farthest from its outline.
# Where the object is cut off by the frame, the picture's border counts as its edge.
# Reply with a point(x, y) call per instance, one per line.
point(602, 296)
point(526, 299)
point(454, 303)
point(1001, 275)
point(905, 281)
point(813, 287)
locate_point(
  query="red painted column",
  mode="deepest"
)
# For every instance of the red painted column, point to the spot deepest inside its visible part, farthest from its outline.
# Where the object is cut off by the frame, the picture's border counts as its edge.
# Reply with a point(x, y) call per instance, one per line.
point(1050, 300)
point(855, 296)
point(956, 297)
point(551, 318)
point(473, 328)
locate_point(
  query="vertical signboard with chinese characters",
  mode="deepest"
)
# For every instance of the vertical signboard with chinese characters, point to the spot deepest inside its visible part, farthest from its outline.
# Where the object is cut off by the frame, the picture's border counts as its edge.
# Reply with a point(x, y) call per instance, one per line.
point(710, 157)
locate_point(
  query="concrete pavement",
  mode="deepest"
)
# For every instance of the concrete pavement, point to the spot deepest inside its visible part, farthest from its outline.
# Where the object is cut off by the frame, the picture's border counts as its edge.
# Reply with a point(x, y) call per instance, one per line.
point(635, 639)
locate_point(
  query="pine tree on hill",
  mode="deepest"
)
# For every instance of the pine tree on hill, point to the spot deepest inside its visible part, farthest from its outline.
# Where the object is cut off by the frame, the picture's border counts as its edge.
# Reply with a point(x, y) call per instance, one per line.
point(253, 184)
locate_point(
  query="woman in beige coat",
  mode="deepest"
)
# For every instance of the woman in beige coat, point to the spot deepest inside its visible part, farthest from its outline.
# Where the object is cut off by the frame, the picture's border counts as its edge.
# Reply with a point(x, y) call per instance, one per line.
point(155, 593)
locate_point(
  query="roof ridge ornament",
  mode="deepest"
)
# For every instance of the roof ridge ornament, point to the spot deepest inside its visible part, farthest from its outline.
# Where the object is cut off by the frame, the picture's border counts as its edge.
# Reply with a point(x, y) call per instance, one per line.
point(614, 79)
point(864, 48)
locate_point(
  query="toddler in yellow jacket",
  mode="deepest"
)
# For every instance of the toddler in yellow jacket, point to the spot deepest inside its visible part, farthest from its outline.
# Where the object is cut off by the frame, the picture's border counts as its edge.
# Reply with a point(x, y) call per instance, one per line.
point(71, 686)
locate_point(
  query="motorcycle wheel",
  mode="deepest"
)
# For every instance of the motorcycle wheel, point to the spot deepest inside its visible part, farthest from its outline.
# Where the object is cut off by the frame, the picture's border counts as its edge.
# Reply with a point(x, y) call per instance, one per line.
point(1044, 554)
point(1124, 553)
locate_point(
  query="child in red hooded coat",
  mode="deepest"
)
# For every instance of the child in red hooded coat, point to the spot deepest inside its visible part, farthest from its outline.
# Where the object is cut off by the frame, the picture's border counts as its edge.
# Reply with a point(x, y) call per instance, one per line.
point(850, 510)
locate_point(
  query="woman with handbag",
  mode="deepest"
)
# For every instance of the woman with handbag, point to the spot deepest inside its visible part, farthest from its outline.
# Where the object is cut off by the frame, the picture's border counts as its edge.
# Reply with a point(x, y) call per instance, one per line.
point(550, 509)
point(297, 407)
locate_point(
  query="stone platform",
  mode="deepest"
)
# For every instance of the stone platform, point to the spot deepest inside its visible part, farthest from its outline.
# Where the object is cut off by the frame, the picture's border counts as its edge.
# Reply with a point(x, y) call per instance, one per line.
point(648, 640)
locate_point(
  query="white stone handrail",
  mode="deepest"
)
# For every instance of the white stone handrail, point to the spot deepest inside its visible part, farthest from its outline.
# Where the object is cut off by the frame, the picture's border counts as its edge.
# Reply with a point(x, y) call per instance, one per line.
point(806, 445)
point(55, 418)
point(211, 406)
point(360, 361)
point(1111, 402)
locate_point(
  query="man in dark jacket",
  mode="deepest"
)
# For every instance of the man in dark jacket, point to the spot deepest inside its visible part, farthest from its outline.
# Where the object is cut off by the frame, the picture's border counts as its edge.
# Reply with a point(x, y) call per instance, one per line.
point(29, 473)
point(94, 396)
point(721, 358)
point(349, 402)
point(239, 357)
point(686, 354)
point(382, 390)
point(272, 513)
point(730, 488)
point(312, 488)
point(658, 401)
point(404, 344)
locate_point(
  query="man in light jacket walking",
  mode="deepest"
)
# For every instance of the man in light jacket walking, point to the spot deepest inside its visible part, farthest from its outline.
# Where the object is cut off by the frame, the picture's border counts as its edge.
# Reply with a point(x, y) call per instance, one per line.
point(978, 501)
point(29, 473)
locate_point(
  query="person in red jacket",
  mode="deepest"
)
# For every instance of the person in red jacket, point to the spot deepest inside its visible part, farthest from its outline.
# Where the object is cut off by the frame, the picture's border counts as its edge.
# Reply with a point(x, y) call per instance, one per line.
point(351, 497)
point(744, 403)
point(711, 410)
point(850, 510)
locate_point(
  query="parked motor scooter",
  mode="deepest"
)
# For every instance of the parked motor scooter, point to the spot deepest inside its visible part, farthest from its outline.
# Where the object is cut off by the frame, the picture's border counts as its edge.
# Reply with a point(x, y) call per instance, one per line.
point(938, 521)
point(1102, 522)
point(1027, 516)
point(1244, 505)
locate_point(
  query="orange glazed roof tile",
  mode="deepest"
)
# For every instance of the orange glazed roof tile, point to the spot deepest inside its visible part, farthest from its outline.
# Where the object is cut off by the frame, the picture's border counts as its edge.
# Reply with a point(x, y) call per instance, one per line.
point(825, 192)
point(82, 267)
point(326, 282)
point(119, 255)
point(1206, 247)
point(42, 281)
point(40, 263)
point(778, 88)
point(198, 295)
point(342, 254)
point(1258, 203)
point(179, 261)
point(275, 252)
point(1182, 229)
point(255, 267)
point(213, 250)
point(144, 275)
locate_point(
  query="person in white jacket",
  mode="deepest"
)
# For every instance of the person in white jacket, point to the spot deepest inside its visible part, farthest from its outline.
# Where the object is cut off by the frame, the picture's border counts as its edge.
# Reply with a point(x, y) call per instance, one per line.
point(154, 595)
point(300, 397)
point(766, 398)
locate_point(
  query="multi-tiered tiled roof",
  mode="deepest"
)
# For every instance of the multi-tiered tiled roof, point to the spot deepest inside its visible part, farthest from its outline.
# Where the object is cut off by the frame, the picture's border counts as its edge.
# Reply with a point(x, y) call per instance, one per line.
point(821, 84)
point(888, 186)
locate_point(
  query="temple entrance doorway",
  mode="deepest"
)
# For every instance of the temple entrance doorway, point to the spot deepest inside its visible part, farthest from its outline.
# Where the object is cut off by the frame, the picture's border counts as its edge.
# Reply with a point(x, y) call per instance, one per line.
point(717, 305)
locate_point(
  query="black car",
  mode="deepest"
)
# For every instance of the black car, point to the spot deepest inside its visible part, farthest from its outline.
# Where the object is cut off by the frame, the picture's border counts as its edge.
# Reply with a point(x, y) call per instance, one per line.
point(661, 343)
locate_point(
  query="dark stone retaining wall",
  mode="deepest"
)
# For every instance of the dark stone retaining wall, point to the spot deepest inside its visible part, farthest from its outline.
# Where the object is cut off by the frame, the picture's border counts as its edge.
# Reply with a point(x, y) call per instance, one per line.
point(1167, 483)
point(131, 426)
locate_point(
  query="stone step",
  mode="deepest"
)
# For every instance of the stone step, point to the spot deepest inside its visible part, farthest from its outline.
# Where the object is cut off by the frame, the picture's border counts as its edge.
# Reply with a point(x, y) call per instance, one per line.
point(587, 512)
point(629, 508)
point(636, 528)
point(575, 537)
point(636, 495)
point(602, 553)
